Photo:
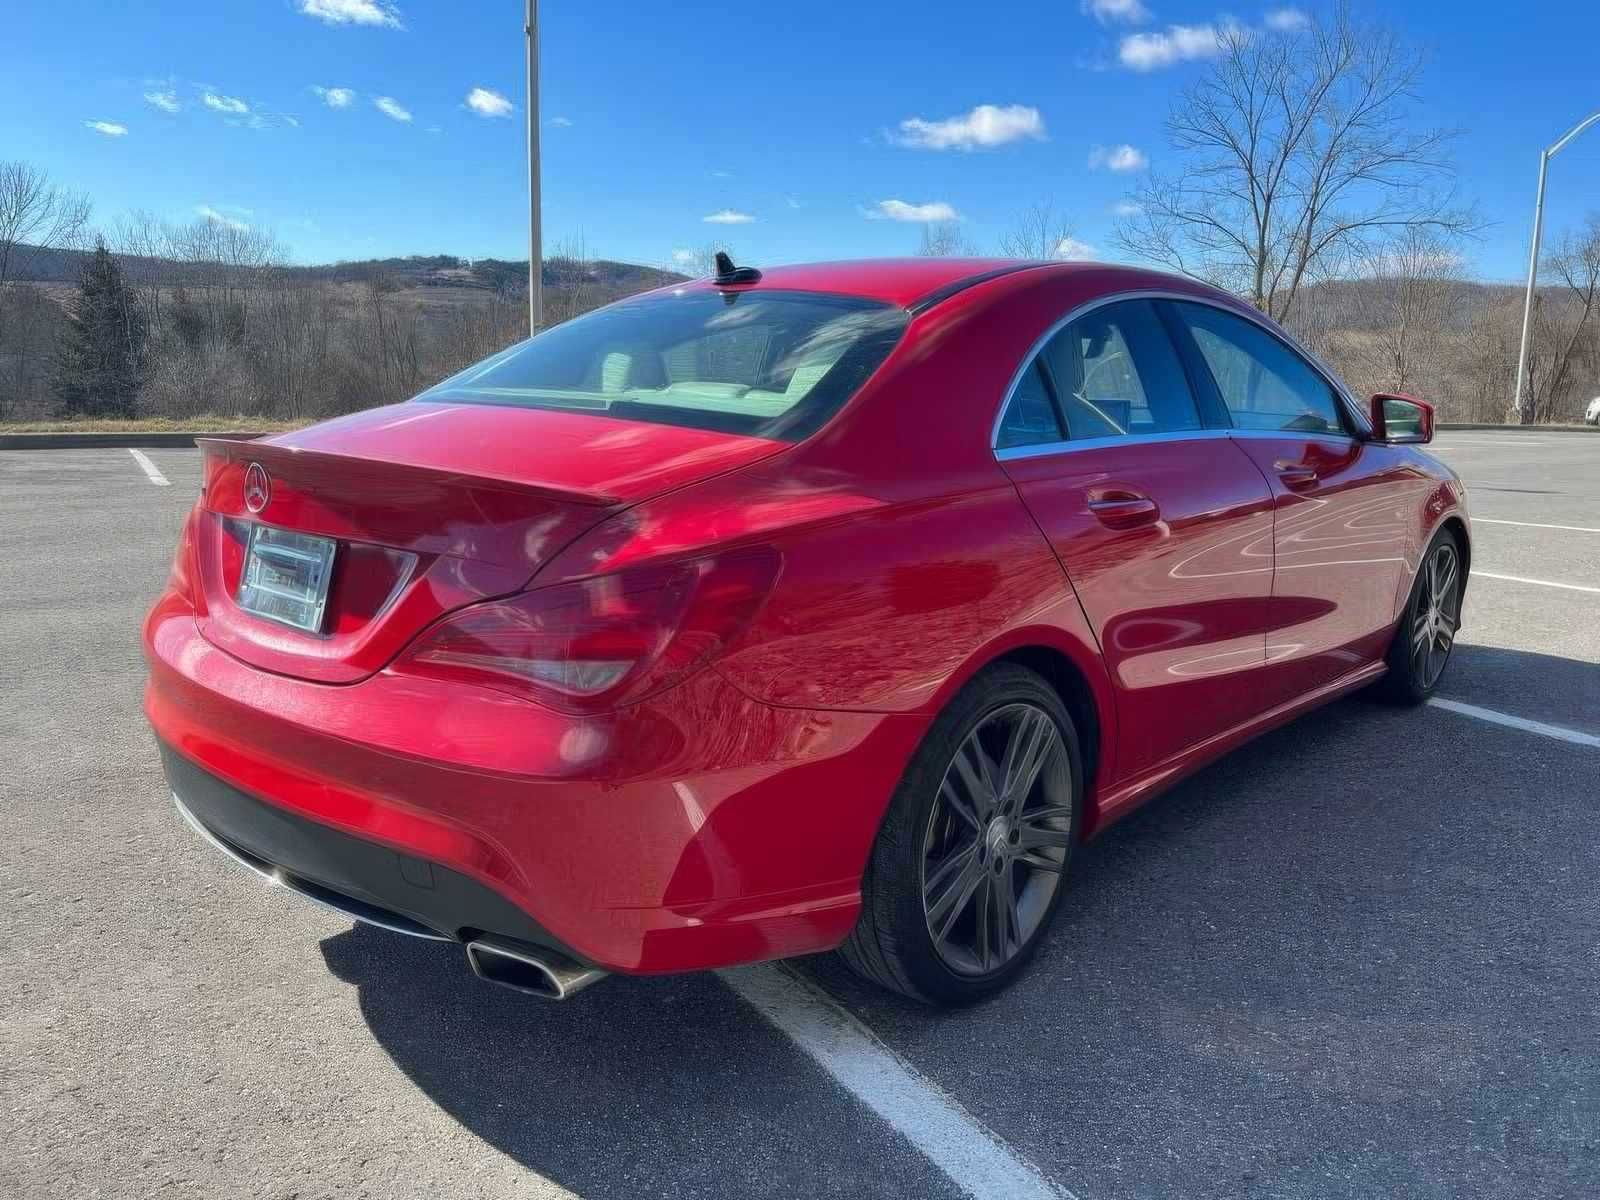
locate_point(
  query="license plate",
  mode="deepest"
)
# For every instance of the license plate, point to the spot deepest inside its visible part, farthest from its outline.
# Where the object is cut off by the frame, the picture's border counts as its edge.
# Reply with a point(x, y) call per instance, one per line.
point(286, 577)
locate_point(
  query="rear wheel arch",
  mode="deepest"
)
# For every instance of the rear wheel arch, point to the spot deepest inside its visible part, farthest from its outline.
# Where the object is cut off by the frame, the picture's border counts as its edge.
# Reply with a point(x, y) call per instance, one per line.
point(1069, 682)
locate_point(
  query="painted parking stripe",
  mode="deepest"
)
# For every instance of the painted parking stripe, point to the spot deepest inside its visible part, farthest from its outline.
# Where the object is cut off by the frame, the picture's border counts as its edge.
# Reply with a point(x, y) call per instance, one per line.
point(1535, 525)
point(949, 1136)
point(1560, 733)
point(149, 468)
point(1570, 587)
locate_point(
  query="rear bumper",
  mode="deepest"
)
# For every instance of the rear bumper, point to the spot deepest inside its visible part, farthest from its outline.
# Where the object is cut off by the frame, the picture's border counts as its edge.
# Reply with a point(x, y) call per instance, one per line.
point(698, 829)
point(362, 879)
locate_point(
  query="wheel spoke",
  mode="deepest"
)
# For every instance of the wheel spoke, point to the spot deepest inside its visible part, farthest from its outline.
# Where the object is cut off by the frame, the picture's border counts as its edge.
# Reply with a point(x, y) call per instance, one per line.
point(1420, 632)
point(1444, 634)
point(1447, 578)
point(972, 764)
point(947, 893)
point(1040, 863)
point(1010, 917)
point(1036, 829)
point(1033, 741)
point(957, 805)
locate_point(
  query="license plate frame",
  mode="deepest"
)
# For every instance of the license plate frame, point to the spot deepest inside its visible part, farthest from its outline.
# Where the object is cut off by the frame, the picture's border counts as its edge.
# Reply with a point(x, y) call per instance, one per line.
point(286, 576)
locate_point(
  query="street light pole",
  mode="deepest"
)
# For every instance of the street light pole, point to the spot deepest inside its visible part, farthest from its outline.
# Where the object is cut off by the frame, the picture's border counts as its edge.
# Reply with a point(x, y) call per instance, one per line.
point(1533, 257)
point(535, 247)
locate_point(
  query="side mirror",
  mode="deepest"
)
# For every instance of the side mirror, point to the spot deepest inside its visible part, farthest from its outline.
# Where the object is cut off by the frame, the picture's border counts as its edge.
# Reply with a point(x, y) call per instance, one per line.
point(1401, 420)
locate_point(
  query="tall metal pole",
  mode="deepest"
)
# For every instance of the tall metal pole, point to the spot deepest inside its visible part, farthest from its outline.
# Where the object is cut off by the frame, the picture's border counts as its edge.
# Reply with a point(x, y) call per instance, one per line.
point(1545, 156)
point(535, 244)
point(1527, 301)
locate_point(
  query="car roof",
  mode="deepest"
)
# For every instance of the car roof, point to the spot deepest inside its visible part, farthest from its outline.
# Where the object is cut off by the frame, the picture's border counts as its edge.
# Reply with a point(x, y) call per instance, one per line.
point(898, 281)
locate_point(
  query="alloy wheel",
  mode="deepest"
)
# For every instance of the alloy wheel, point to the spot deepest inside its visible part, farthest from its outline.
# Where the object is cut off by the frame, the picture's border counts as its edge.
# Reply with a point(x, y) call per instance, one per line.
point(995, 847)
point(1437, 615)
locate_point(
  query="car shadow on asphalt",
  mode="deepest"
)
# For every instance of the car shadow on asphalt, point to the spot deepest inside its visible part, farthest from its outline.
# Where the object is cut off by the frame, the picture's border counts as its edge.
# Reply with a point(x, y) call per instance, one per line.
point(636, 1087)
point(1332, 939)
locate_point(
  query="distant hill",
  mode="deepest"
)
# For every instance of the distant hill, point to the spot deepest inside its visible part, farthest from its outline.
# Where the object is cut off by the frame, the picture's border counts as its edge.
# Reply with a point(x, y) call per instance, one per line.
point(413, 271)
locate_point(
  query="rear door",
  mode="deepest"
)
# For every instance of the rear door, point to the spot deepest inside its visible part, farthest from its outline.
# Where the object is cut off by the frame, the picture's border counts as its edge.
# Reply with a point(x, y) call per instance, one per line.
point(1162, 523)
point(1340, 502)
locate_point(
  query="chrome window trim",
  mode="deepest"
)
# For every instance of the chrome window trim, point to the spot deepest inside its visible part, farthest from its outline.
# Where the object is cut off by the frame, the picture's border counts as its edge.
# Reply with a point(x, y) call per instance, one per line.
point(1352, 410)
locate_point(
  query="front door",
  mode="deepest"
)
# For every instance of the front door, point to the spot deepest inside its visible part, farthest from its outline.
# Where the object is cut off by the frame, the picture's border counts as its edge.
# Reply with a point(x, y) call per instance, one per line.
point(1340, 503)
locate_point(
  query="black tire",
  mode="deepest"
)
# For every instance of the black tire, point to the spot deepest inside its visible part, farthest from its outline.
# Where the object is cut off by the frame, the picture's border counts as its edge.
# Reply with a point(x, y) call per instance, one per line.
point(1413, 677)
point(893, 943)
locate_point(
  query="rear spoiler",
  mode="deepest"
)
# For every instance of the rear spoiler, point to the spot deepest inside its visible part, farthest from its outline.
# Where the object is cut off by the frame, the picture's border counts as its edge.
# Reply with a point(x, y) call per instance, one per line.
point(296, 460)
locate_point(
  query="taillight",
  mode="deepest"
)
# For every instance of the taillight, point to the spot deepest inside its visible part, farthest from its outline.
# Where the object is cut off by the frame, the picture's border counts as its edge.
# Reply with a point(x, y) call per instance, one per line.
point(180, 578)
point(600, 643)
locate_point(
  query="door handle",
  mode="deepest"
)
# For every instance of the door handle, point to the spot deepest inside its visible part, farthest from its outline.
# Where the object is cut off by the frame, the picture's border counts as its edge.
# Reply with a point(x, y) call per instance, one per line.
point(1124, 510)
point(1296, 475)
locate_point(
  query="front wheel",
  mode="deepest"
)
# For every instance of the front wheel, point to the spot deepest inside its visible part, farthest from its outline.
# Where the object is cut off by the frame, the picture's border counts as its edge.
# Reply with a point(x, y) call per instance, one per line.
point(971, 861)
point(1427, 631)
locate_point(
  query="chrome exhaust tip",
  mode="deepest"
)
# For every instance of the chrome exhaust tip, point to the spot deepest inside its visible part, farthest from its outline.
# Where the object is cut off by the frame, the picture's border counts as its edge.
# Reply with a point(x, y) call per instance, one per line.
point(529, 971)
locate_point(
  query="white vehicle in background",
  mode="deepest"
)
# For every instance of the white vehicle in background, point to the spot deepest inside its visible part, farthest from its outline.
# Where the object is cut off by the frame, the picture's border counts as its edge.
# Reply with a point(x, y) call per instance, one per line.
point(1591, 415)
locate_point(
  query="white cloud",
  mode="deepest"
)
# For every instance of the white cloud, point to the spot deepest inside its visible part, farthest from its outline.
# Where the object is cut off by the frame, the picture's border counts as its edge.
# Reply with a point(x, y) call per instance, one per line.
point(1131, 12)
point(336, 97)
point(1126, 208)
point(109, 128)
point(1118, 158)
point(560, 122)
point(210, 214)
point(1070, 249)
point(1180, 43)
point(899, 210)
point(353, 12)
point(986, 125)
point(224, 104)
point(166, 101)
point(792, 201)
point(728, 216)
point(392, 108)
point(683, 258)
point(1287, 20)
point(488, 103)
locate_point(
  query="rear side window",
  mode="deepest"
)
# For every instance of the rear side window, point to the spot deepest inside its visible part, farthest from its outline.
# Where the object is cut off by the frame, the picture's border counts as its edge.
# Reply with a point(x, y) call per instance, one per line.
point(1111, 373)
point(1117, 374)
point(1030, 418)
point(768, 364)
point(1263, 383)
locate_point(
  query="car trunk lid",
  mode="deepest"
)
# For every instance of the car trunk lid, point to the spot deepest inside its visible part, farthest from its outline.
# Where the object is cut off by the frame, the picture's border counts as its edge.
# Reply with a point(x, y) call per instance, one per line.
point(430, 507)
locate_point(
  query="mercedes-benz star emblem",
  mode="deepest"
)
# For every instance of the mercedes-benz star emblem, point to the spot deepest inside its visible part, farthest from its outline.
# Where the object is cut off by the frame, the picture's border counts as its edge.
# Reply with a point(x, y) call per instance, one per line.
point(257, 487)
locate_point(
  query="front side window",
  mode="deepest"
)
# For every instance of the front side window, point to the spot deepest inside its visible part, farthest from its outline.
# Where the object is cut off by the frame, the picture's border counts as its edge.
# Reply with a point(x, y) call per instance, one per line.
point(1263, 383)
point(768, 364)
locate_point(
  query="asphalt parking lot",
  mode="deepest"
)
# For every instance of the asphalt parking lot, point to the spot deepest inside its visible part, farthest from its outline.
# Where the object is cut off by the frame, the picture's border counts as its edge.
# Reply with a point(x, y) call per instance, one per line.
point(1358, 958)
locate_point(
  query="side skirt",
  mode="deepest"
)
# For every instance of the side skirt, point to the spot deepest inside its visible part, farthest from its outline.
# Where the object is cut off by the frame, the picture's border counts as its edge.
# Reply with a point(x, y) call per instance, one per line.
point(1129, 795)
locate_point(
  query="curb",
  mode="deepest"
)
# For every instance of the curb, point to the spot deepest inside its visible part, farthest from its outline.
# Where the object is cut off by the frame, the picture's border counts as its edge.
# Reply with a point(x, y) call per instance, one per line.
point(1519, 428)
point(130, 439)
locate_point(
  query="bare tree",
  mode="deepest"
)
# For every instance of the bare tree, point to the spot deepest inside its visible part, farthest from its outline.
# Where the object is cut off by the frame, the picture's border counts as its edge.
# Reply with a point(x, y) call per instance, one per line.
point(945, 239)
point(1297, 150)
point(1039, 232)
point(1416, 278)
point(1564, 320)
point(569, 281)
point(35, 215)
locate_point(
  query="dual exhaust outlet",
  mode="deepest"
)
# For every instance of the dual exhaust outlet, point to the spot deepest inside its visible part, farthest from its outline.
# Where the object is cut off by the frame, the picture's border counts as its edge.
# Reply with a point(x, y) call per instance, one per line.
point(530, 972)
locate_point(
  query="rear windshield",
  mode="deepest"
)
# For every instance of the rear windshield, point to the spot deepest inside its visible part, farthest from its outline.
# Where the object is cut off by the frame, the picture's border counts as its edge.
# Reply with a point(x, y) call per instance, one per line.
point(768, 364)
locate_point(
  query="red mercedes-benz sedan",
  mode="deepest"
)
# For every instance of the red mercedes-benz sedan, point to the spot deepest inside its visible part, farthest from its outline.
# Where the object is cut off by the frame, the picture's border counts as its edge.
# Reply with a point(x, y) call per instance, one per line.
point(827, 606)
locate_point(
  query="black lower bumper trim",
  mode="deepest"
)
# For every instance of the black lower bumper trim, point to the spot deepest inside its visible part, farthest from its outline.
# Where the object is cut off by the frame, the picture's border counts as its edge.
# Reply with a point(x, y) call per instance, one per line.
point(361, 879)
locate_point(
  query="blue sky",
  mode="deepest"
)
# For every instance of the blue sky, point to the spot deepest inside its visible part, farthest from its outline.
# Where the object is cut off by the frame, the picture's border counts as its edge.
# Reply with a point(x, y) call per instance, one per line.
point(659, 115)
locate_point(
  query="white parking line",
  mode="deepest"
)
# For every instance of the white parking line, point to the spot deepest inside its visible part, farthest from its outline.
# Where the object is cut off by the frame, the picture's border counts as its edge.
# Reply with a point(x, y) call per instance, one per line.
point(1558, 732)
point(1570, 587)
point(149, 468)
point(947, 1134)
point(1534, 525)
